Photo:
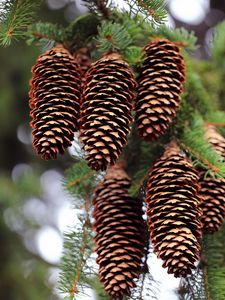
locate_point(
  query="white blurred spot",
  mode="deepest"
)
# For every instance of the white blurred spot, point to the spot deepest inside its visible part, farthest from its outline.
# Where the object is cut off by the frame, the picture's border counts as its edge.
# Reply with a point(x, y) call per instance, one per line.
point(24, 134)
point(35, 210)
point(51, 182)
point(57, 4)
point(169, 22)
point(168, 283)
point(19, 170)
point(67, 217)
point(49, 244)
point(191, 11)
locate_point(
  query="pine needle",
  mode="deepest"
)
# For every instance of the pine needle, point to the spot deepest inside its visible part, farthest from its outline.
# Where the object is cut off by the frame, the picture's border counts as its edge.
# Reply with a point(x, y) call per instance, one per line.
point(203, 154)
point(16, 16)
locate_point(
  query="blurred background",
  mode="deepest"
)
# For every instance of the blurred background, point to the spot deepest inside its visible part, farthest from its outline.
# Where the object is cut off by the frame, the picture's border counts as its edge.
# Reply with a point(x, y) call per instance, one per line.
point(35, 209)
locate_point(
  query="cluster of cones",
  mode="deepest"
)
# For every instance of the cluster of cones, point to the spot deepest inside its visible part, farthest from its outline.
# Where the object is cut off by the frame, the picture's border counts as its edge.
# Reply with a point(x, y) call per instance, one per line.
point(181, 205)
point(70, 94)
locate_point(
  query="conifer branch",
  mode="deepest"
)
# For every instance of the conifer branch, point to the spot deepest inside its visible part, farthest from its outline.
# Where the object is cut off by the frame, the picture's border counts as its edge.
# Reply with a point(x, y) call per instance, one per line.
point(183, 38)
point(153, 9)
point(214, 265)
point(197, 94)
point(219, 44)
point(82, 259)
point(77, 250)
point(80, 180)
point(216, 118)
point(113, 37)
point(16, 16)
point(39, 32)
point(194, 142)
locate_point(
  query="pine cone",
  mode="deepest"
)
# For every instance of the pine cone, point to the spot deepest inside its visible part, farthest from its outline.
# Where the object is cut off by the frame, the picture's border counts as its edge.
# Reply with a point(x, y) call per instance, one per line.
point(106, 110)
point(120, 233)
point(159, 87)
point(213, 189)
point(54, 101)
point(173, 211)
point(213, 205)
point(216, 140)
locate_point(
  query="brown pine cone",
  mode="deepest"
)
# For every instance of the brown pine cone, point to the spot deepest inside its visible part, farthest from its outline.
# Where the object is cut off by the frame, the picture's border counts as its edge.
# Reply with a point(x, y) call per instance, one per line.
point(54, 101)
point(213, 205)
point(120, 233)
point(160, 84)
point(216, 140)
point(106, 110)
point(173, 211)
point(213, 189)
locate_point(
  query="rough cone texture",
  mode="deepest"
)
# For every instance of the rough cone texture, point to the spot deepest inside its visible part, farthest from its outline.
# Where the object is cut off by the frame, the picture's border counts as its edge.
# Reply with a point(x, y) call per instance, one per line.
point(213, 189)
point(54, 101)
point(120, 233)
point(160, 84)
point(173, 211)
point(106, 110)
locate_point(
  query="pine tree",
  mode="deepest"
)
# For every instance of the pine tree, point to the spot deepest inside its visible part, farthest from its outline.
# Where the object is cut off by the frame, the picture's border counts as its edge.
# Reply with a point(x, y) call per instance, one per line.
point(113, 67)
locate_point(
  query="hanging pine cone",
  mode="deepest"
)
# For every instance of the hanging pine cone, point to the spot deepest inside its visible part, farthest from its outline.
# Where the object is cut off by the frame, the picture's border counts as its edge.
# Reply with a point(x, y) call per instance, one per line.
point(216, 140)
point(106, 110)
point(213, 189)
point(159, 87)
point(213, 205)
point(54, 101)
point(120, 233)
point(173, 211)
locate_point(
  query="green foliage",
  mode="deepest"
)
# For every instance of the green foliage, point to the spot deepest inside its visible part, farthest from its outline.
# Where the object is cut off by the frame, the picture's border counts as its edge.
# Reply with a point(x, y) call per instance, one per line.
point(133, 55)
point(98, 288)
point(80, 180)
point(217, 118)
point(74, 264)
point(43, 32)
point(214, 265)
point(218, 49)
point(197, 95)
point(113, 37)
point(81, 30)
point(153, 10)
point(183, 37)
point(16, 16)
point(12, 192)
point(202, 153)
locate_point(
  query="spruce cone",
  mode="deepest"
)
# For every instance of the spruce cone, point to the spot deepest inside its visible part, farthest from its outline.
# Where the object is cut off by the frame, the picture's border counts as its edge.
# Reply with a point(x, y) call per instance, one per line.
point(213, 189)
point(213, 205)
point(173, 211)
point(216, 140)
point(120, 233)
point(54, 101)
point(159, 87)
point(106, 110)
